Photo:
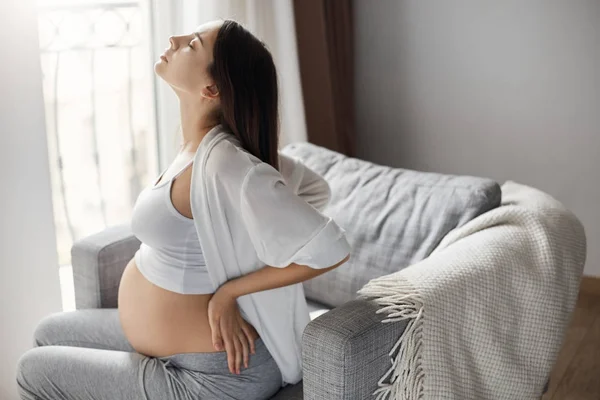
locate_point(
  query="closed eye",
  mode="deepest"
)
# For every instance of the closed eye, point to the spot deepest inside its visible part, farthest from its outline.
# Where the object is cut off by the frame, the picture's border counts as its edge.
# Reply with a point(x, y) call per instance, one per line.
point(196, 34)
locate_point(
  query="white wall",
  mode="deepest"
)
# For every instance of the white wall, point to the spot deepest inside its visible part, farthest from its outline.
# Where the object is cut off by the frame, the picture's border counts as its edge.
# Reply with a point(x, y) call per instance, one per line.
point(29, 279)
point(505, 89)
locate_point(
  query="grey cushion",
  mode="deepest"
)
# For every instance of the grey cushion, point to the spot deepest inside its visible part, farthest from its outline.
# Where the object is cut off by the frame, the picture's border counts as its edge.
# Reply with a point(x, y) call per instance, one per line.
point(393, 217)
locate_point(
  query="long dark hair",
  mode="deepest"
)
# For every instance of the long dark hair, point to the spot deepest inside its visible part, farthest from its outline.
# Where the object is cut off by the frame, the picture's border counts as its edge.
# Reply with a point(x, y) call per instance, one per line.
point(244, 72)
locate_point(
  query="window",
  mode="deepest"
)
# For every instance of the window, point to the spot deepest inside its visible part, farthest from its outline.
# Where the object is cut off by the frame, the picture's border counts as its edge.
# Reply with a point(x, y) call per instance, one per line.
point(99, 92)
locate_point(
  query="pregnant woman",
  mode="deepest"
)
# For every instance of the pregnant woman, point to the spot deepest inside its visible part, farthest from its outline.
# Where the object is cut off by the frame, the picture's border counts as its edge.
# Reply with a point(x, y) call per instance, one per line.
point(211, 306)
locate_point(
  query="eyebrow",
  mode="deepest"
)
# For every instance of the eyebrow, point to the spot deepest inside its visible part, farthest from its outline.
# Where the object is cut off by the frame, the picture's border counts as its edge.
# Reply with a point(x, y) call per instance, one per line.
point(199, 38)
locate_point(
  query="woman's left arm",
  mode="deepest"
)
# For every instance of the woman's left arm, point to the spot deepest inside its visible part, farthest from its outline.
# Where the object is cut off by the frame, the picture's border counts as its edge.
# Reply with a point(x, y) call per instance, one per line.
point(273, 277)
point(292, 238)
point(229, 330)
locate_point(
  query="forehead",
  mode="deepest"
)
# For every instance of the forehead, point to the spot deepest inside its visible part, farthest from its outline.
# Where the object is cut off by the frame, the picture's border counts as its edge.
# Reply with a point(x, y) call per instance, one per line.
point(211, 27)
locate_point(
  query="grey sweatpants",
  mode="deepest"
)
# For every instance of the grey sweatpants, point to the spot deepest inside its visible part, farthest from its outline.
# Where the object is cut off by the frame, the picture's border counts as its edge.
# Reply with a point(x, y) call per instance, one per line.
point(84, 355)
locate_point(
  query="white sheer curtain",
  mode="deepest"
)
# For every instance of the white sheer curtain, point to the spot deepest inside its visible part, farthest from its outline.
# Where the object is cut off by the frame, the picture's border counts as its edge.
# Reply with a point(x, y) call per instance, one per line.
point(272, 21)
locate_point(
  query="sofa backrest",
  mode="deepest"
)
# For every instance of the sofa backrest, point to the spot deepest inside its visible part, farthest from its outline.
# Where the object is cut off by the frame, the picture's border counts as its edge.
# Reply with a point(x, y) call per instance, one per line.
point(393, 217)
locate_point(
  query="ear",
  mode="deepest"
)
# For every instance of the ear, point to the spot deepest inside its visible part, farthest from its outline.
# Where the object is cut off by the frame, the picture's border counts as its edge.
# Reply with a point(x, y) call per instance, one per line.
point(210, 92)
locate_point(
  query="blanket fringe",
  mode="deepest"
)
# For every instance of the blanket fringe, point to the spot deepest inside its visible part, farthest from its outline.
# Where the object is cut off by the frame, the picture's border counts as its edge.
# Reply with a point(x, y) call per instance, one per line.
point(401, 302)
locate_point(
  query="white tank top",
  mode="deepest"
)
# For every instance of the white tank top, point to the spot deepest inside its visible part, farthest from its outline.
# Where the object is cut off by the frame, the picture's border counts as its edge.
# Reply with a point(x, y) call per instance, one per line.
point(170, 255)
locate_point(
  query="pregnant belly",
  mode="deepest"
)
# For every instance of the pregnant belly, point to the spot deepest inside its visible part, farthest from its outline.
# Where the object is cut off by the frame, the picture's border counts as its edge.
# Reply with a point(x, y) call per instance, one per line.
point(158, 322)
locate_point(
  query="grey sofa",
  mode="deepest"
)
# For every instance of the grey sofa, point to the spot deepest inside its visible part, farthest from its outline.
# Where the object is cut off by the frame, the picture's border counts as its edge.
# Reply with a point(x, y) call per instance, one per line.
point(393, 218)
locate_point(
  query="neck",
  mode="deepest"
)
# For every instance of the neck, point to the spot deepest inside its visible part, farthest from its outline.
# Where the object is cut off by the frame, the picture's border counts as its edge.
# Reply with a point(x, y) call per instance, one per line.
point(196, 122)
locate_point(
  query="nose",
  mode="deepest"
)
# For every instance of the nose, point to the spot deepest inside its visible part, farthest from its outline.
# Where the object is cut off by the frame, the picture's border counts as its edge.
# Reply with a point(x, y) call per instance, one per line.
point(173, 42)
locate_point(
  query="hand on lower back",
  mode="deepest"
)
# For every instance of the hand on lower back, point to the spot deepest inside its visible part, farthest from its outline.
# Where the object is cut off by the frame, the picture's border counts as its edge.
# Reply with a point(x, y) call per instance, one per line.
point(230, 332)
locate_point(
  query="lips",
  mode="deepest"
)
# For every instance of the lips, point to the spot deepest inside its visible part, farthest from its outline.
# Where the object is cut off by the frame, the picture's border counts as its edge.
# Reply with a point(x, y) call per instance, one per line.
point(163, 56)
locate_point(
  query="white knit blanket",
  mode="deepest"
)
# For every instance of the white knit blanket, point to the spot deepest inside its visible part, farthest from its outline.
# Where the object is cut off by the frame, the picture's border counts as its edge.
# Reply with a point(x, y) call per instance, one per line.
point(488, 309)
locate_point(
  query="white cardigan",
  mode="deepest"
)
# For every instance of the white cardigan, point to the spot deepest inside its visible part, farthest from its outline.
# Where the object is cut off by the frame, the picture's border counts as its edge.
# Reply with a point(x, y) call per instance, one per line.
point(248, 215)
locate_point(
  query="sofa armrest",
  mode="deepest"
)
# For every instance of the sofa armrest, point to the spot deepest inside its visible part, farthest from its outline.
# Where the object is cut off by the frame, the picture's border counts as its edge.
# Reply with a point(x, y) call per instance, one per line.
point(98, 262)
point(345, 351)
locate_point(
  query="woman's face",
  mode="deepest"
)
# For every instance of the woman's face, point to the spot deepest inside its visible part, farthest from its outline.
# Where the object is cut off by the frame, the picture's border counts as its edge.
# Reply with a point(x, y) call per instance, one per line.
point(184, 65)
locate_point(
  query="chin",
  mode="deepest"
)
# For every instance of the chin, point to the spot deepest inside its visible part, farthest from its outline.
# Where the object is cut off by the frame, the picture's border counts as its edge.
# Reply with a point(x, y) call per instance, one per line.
point(159, 68)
